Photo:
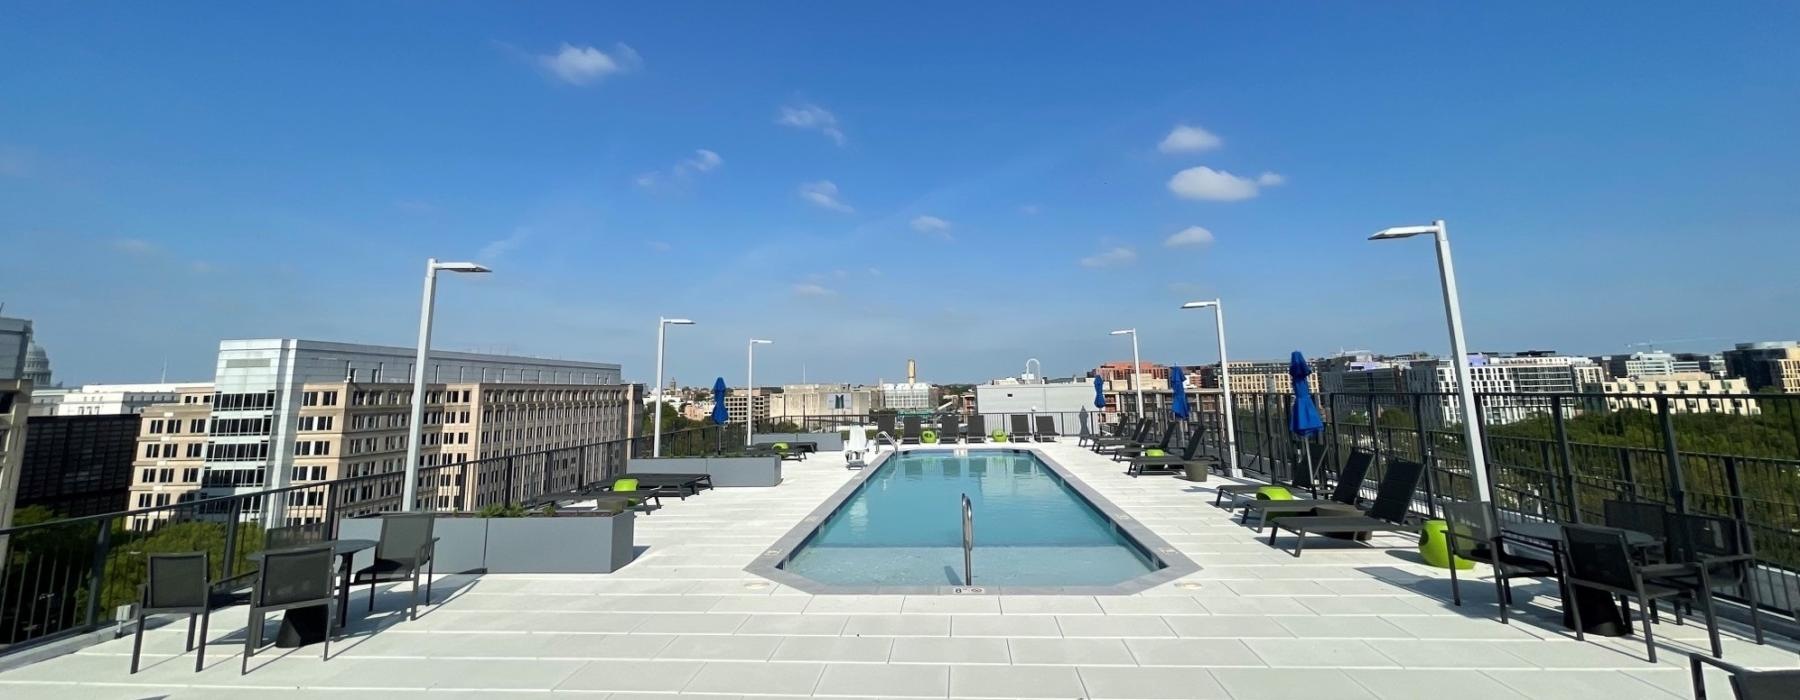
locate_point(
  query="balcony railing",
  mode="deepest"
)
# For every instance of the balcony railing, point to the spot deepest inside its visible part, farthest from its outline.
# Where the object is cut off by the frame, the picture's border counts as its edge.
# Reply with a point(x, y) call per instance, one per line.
point(66, 576)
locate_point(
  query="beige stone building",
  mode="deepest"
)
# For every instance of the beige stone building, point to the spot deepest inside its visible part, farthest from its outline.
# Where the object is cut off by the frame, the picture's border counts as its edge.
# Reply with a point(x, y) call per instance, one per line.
point(1688, 392)
point(346, 430)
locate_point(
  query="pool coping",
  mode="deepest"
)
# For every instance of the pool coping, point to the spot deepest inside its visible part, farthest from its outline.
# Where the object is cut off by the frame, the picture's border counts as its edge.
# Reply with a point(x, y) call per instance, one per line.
point(1175, 564)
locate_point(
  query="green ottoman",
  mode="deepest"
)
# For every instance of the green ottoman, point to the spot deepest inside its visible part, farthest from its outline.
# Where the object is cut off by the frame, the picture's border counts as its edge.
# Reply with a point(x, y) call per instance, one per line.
point(1434, 546)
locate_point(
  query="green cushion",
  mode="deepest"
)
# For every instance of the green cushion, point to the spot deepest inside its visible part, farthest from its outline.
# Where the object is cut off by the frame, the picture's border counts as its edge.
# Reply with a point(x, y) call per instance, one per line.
point(625, 485)
point(1153, 452)
point(1274, 493)
point(781, 447)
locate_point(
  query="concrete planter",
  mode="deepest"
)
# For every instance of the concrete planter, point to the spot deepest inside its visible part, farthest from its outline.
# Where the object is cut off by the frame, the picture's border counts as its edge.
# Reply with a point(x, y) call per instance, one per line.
point(566, 544)
point(725, 471)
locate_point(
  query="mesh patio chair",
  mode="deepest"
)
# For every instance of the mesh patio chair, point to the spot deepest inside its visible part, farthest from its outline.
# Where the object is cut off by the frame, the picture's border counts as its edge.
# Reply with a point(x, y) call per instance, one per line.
point(1746, 684)
point(1638, 516)
point(1600, 558)
point(1472, 535)
point(977, 429)
point(948, 430)
point(179, 584)
point(910, 430)
point(1723, 557)
point(300, 577)
point(1046, 429)
point(404, 550)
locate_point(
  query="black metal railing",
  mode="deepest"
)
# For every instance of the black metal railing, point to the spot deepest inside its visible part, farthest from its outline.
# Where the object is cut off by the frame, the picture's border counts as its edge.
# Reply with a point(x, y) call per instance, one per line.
point(65, 576)
point(1560, 457)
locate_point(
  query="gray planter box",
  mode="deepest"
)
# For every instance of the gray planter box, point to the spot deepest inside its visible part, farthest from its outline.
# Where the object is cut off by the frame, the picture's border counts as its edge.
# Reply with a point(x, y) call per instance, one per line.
point(537, 545)
point(725, 471)
point(827, 442)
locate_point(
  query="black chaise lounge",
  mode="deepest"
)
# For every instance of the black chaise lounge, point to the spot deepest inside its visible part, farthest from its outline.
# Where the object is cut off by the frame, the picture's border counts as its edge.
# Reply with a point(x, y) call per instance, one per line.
point(1021, 428)
point(1302, 480)
point(884, 430)
point(911, 430)
point(682, 485)
point(1389, 513)
point(1046, 429)
point(1139, 466)
point(1129, 431)
point(1141, 448)
point(767, 449)
point(1346, 496)
point(948, 430)
point(977, 430)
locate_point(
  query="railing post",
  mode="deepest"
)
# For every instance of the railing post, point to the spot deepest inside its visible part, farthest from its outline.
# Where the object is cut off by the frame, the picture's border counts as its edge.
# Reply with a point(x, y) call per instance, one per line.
point(506, 495)
point(1735, 487)
point(1427, 457)
point(1677, 483)
point(97, 575)
point(1565, 457)
point(1374, 437)
point(234, 514)
point(331, 491)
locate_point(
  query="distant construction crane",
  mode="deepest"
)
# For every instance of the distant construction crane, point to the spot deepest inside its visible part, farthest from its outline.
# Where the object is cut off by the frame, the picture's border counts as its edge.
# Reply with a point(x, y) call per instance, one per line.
point(1652, 344)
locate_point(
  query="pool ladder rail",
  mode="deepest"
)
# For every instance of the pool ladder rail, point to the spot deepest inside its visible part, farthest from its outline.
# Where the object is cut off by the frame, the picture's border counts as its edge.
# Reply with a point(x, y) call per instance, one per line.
point(968, 541)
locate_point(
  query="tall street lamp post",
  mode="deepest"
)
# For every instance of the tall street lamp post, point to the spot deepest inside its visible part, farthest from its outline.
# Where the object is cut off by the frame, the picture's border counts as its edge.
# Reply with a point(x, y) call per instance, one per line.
point(1231, 453)
point(409, 491)
point(662, 327)
point(1136, 367)
point(750, 389)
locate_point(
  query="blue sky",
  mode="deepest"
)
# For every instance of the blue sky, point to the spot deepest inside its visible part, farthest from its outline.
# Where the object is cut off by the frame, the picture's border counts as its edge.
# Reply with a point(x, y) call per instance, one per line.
point(968, 186)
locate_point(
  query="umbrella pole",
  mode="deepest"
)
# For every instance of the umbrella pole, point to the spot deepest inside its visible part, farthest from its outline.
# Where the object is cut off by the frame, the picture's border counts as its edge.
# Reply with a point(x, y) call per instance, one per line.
point(1312, 475)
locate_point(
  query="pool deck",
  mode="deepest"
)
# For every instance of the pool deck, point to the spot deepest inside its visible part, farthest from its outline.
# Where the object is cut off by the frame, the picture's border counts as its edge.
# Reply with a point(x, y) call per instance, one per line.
point(1344, 621)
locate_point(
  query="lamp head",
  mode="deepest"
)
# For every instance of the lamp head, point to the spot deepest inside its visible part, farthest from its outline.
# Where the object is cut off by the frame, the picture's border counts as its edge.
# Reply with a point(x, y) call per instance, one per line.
point(1127, 331)
point(677, 322)
point(1200, 304)
point(1404, 232)
point(466, 267)
point(759, 341)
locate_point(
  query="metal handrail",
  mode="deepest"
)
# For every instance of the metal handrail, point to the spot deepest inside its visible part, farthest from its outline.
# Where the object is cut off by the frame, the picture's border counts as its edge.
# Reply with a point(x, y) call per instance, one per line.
point(968, 541)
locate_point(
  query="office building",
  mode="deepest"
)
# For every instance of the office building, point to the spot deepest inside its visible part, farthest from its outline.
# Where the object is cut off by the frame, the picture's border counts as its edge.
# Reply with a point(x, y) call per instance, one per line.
point(796, 401)
point(77, 465)
point(264, 390)
point(1766, 366)
point(1362, 373)
point(1692, 392)
point(15, 409)
point(1254, 377)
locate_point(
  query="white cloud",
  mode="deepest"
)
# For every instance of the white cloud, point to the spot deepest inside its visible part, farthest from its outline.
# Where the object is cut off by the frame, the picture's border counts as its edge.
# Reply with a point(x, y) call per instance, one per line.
point(703, 161)
point(1188, 139)
point(808, 289)
point(494, 250)
point(824, 194)
point(646, 180)
point(932, 225)
point(1111, 258)
point(580, 65)
point(814, 117)
point(1189, 237)
point(1201, 182)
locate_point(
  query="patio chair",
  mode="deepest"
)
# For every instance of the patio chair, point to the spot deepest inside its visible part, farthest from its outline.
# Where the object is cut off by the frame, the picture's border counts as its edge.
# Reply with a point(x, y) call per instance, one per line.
point(1046, 429)
point(1389, 513)
point(1746, 684)
point(856, 444)
point(1723, 556)
point(1600, 558)
point(1638, 516)
point(626, 492)
point(293, 536)
point(1348, 492)
point(405, 547)
point(977, 429)
point(1021, 427)
point(1472, 535)
point(300, 577)
point(1141, 448)
point(1301, 480)
point(1138, 466)
point(179, 584)
point(911, 428)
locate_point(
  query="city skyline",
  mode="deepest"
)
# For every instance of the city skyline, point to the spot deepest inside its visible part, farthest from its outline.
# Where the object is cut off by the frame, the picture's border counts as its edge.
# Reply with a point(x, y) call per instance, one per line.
point(1071, 175)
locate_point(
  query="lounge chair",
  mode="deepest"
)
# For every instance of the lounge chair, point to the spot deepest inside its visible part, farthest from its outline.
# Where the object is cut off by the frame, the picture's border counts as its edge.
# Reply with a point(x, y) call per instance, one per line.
point(884, 430)
point(855, 445)
point(1301, 481)
point(910, 430)
point(977, 430)
point(769, 449)
point(682, 485)
point(1389, 513)
point(1130, 432)
point(1139, 466)
point(1046, 429)
point(1021, 427)
point(948, 430)
point(1140, 449)
point(1346, 496)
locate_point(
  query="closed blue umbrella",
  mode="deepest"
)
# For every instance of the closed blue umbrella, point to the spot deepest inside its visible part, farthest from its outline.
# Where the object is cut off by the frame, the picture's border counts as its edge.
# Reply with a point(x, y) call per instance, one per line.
point(1305, 421)
point(1099, 391)
point(1179, 404)
point(719, 413)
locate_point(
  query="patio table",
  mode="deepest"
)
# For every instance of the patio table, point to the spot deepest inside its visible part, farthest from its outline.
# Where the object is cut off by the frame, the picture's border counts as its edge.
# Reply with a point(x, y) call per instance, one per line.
point(1599, 613)
point(302, 626)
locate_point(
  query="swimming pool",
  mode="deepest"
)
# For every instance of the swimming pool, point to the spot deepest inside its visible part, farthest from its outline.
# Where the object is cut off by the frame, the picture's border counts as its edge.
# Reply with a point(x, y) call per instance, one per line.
point(900, 527)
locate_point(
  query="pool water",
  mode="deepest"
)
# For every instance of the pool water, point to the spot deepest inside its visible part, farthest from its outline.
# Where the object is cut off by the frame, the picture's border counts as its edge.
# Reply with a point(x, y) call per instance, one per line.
point(903, 527)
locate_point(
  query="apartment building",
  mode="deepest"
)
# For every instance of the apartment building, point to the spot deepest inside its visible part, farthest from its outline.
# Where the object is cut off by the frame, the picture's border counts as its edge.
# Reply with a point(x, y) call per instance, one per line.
point(1505, 383)
point(736, 402)
point(1771, 365)
point(1253, 377)
point(1690, 392)
point(263, 388)
point(116, 399)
